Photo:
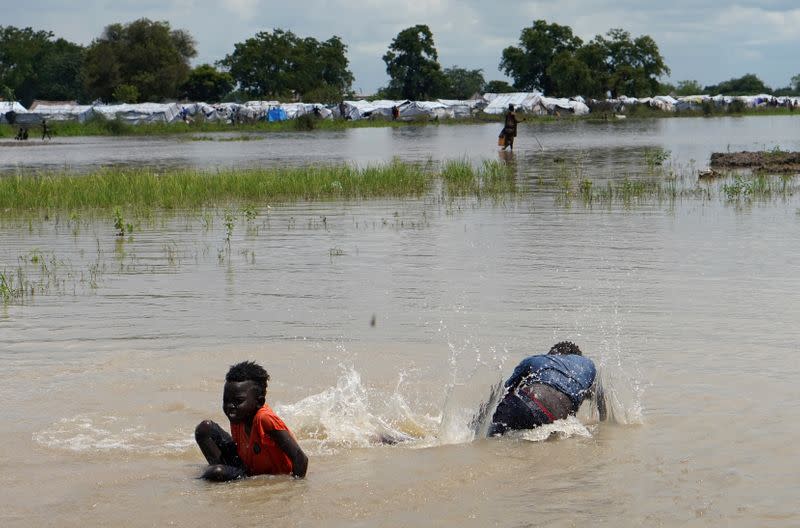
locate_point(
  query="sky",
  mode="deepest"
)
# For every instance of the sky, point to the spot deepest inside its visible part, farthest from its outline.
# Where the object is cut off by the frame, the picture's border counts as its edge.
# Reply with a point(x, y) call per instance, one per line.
point(704, 40)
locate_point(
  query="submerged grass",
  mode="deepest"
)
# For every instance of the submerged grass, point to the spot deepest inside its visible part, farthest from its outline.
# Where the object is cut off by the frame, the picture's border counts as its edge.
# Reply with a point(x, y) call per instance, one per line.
point(492, 178)
point(136, 191)
point(186, 188)
point(145, 188)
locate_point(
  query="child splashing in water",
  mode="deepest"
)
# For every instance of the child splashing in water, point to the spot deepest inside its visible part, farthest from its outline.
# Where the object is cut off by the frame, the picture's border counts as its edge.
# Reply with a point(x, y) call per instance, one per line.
point(259, 443)
point(548, 387)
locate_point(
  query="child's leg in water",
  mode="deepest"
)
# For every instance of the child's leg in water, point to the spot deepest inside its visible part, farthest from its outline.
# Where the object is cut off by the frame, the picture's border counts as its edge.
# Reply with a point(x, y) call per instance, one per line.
point(220, 451)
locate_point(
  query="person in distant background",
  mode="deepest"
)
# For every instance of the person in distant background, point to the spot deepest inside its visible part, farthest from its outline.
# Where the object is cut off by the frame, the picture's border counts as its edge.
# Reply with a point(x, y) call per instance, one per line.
point(46, 130)
point(509, 131)
point(395, 113)
point(545, 388)
point(259, 443)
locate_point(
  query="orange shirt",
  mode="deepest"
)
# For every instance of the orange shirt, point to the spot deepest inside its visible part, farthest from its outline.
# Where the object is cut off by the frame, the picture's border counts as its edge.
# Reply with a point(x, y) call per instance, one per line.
point(259, 452)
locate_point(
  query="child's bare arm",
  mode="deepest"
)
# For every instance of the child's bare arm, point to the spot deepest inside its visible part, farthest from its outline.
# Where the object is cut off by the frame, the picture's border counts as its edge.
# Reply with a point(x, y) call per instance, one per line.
point(289, 445)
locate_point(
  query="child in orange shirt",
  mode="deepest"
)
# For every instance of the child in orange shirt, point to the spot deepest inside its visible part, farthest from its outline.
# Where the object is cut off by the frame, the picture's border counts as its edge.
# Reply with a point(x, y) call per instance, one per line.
point(259, 443)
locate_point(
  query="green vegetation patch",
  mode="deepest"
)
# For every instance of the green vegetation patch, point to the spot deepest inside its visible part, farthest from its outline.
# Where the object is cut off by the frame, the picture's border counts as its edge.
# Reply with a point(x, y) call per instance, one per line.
point(185, 188)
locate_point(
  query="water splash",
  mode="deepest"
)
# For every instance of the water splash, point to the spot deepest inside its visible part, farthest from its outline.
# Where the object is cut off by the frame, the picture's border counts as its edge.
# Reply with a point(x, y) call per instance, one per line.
point(349, 415)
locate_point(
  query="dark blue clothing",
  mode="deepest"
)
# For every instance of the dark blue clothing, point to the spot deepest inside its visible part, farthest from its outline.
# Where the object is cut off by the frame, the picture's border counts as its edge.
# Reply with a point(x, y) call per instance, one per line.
point(568, 378)
point(569, 373)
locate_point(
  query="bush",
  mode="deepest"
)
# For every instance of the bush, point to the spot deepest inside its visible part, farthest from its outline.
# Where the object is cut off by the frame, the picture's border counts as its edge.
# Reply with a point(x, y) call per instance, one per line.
point(126, 93)
point(736, 107)
point(306, 122)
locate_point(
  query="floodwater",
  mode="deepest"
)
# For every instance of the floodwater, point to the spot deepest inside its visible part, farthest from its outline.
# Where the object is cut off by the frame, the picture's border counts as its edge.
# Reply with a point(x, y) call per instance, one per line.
point(399, 316)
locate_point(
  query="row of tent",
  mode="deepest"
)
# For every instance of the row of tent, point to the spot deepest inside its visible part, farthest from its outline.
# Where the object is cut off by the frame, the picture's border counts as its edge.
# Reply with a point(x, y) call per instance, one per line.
point(527, 102)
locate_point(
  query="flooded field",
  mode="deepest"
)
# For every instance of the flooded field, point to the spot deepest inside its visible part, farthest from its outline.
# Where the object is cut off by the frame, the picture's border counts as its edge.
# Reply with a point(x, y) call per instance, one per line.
point(398, 315)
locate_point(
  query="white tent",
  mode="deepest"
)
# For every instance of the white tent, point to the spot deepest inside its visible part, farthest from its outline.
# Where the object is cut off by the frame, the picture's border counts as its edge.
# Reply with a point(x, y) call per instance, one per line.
point(563, 104)
point(461, 108)
point(10, 106)
point(61, 111)
point(195, 110)
point(524, 101)
point(365, 109)
point(140, 113)
point(415, 109)
point(663, 102)
point(294, 110)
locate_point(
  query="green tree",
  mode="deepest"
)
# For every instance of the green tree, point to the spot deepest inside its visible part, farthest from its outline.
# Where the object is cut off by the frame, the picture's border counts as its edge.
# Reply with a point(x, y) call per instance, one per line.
point(634, 65)
point(667, 88)
point(34, 66)
point(462, 83)
point(748, 84)
point(144, 54)
point(571, 76)
point(688, 87)
point(538, 46)
point(496, 86)
point(279, 64)
point(207, 84)
point(413, 65)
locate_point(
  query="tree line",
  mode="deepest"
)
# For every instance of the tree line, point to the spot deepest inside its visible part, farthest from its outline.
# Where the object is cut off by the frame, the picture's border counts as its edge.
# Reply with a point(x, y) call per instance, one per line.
point(147, 60)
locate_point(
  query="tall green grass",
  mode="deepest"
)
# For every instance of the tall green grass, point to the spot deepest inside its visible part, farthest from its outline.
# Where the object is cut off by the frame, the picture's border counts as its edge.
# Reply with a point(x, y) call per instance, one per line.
point(492, 178)
point(186, 188)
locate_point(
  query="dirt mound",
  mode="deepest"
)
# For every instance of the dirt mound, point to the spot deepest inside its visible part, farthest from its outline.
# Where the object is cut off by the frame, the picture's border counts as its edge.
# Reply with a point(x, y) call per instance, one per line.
point(776, 161)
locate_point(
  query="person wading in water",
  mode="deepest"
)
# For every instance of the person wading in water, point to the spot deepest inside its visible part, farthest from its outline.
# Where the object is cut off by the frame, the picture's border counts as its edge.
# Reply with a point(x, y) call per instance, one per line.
point(509, 131)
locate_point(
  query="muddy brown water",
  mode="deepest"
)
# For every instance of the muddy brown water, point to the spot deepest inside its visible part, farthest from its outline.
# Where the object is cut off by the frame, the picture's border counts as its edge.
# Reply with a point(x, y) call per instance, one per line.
point(689, 308)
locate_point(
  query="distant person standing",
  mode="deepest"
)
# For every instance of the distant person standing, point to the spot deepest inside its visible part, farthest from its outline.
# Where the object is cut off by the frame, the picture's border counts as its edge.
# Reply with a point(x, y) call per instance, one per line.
point(395, 113)
point(509, 128)
point(46, 130)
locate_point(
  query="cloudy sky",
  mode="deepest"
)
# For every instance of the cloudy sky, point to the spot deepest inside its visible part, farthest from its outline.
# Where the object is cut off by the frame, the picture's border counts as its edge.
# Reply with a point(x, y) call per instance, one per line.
point(704, 40)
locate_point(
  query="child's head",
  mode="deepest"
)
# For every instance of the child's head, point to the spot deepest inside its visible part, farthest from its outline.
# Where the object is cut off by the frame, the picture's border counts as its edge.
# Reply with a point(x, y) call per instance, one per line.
point(249, 371)
point(245, 391)
point(565, 347)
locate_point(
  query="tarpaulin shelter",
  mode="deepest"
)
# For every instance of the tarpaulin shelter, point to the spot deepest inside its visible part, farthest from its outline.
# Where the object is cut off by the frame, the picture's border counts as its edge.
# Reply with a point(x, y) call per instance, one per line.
point(11, 106)
point(415, 109)
point(140, 113)
point(461, 108)
point(195, 110)
point(528, 102)
point(365, 109)
point(61, 111)
point(562, 104)
point(276, 114)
